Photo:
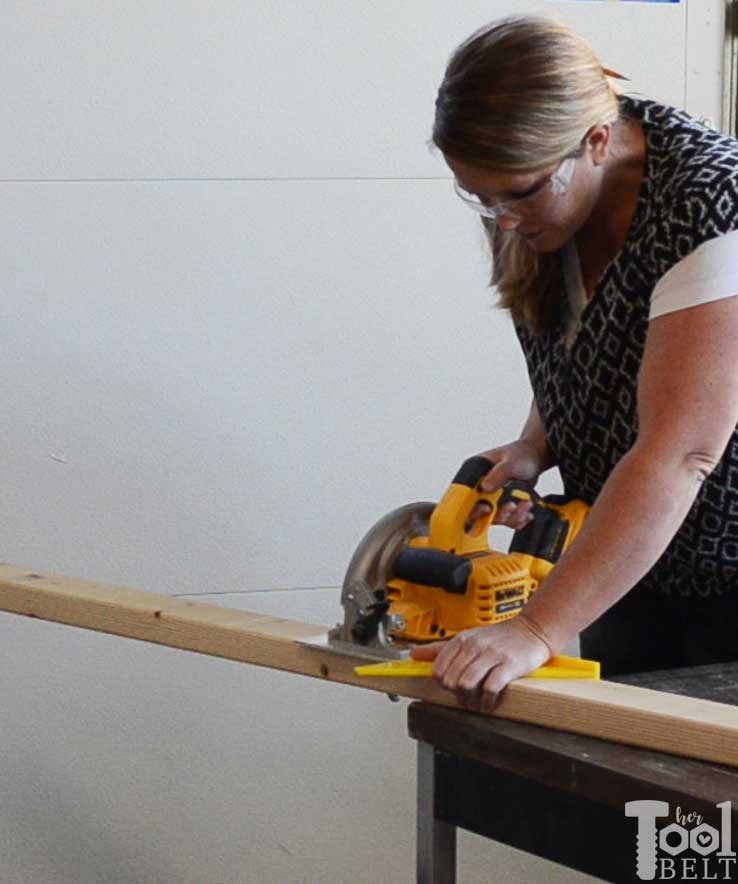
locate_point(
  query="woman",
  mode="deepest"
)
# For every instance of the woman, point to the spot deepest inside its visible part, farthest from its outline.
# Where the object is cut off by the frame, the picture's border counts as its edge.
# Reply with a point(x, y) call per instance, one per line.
point(613, 224)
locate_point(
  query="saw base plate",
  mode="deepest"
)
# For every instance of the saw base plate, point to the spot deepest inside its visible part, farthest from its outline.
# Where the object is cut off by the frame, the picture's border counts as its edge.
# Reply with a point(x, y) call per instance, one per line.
point(400, 651)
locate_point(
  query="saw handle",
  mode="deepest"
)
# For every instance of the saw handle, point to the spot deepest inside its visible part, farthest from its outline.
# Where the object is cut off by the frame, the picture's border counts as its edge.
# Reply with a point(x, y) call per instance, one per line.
point(449, 520)
point(471, 474)
point(474, 469)
point(516, 490)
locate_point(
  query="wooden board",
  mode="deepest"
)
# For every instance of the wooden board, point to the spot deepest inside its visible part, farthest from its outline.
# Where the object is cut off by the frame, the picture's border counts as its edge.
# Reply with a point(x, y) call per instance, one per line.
point(635, 716)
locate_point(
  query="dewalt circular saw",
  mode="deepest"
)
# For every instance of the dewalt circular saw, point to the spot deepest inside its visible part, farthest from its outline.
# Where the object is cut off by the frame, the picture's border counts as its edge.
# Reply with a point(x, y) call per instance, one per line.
point(423, 573)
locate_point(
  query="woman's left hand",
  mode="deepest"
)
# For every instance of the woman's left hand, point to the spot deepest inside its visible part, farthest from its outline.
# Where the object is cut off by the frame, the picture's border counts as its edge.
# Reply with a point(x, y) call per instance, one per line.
point(477, 664)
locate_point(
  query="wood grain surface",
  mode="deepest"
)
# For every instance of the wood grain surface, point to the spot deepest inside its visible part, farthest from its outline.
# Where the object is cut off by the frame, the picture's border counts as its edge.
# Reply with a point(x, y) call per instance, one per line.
point(694, 728)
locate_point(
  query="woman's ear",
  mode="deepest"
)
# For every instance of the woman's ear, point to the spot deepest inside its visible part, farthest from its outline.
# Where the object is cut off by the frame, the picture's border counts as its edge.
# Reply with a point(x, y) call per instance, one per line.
point(598, 140)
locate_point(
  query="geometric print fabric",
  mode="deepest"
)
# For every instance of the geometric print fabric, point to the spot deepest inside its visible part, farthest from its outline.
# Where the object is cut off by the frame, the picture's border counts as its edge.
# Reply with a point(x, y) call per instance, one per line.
point(586, 393)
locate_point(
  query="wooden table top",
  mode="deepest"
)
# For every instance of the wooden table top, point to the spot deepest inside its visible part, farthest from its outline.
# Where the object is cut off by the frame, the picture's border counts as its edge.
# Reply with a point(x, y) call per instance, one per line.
point(594, 769)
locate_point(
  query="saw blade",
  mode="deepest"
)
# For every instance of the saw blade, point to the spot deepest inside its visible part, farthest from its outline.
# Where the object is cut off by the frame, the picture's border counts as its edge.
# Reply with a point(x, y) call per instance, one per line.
point(365, 626)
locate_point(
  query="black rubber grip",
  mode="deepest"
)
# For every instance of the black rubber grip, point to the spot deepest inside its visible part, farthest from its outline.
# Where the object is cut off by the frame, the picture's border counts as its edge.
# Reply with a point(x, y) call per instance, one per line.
point(544, 537)
point(472, 471)
point(433, 567)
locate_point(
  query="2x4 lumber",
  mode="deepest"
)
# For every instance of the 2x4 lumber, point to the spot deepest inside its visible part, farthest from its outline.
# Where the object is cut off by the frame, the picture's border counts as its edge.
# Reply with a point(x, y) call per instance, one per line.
point(693, 728)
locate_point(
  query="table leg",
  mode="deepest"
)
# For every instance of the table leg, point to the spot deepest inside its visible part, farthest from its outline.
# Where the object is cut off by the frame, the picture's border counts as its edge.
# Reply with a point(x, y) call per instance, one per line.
point(436, 840)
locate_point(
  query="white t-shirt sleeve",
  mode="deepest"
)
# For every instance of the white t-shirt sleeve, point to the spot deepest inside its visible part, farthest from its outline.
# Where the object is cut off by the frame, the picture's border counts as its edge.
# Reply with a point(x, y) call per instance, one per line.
point(709, 273)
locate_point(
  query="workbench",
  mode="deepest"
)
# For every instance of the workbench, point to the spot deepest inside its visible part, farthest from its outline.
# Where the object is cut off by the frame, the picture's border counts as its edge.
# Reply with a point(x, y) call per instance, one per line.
point(561, 796)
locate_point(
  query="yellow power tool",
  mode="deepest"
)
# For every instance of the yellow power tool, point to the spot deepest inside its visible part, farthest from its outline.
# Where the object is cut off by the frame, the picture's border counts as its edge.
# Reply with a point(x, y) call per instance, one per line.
point(423, 573)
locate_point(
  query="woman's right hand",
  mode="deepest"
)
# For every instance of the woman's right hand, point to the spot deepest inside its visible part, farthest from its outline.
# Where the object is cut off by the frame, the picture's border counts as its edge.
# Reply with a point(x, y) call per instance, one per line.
point(518, 460)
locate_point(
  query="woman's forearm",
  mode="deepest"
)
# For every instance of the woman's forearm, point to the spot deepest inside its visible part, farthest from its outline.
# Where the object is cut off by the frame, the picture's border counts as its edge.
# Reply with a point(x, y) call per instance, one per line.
point(534, 433)
point(638, 512)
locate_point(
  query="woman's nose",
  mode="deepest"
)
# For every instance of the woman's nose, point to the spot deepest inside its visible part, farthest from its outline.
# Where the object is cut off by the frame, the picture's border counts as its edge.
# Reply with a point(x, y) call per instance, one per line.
point(507, 222)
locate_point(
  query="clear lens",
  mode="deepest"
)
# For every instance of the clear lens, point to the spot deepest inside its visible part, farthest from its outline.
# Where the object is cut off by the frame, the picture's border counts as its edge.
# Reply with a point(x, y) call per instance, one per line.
point(559, 181)
point(488, 211)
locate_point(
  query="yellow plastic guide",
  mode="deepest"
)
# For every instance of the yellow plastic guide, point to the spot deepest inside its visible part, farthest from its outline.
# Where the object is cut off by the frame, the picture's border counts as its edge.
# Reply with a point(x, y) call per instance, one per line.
point(557, 667)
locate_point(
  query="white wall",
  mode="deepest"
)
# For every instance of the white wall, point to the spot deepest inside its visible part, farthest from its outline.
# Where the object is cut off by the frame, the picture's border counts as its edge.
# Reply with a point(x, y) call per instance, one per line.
point(243, 316)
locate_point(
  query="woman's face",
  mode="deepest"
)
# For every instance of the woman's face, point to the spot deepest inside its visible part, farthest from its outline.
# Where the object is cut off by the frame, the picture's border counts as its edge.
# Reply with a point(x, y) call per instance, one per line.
point(528, 202)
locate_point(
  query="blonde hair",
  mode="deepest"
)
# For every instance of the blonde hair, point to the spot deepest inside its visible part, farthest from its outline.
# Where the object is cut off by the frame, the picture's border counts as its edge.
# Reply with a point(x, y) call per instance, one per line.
point(518, 96)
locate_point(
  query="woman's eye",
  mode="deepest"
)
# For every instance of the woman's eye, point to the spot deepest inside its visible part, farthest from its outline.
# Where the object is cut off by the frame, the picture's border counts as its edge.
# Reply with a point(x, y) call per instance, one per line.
point(522, 194)
point(534, 189)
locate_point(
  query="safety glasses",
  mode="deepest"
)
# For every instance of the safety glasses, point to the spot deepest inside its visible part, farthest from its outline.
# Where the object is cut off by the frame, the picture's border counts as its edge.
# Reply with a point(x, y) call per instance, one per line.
point(558, 181)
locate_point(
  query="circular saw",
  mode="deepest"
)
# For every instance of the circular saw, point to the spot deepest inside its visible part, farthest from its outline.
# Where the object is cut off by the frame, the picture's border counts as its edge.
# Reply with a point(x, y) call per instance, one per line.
point(424, 572)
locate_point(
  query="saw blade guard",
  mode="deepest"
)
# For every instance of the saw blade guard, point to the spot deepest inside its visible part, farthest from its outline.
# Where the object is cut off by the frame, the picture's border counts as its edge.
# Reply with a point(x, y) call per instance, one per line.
point(364, 596)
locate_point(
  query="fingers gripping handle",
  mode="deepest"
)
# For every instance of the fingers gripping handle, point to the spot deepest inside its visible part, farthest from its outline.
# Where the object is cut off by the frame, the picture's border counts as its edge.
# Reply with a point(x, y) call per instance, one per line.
point(449, 519)
point(516, 491)
point(474, 469)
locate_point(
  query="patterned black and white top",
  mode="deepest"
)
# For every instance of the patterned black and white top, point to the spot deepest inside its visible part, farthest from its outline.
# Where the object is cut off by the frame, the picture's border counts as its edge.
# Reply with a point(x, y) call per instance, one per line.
point(586, 392)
